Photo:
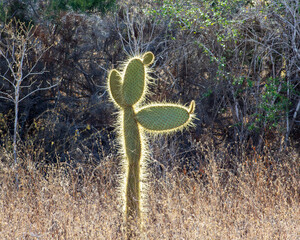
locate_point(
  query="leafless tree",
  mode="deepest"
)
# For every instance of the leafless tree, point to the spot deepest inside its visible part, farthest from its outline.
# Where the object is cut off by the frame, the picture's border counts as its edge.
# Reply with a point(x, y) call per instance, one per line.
point(20, 57)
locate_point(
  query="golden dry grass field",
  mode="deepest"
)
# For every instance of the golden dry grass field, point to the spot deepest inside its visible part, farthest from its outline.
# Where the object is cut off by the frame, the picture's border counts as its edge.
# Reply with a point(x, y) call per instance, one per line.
point(258, 202)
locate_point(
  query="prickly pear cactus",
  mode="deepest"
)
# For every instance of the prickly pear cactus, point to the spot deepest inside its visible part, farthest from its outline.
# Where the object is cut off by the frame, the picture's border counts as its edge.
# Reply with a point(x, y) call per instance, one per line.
point(126, 90)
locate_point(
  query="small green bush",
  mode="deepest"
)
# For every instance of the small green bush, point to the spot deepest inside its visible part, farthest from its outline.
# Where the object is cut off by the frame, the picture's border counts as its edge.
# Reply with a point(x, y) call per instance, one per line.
point(28, 10)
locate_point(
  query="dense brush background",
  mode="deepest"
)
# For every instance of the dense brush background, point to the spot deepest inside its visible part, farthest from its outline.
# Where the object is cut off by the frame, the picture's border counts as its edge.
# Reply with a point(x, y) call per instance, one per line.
point(233, 176)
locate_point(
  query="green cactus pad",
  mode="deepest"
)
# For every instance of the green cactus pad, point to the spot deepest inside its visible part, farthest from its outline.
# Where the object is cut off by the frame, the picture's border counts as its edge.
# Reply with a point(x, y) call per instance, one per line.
point(115, 86)
point(163, 117)
point(148, 58)
point(134, 81)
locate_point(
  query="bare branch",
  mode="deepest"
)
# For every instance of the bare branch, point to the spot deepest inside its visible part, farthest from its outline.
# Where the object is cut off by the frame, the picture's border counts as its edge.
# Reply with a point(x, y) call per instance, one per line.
point(36, 62)
point(34, 73)
point(9, 64)
point(38, 89)
point(6, 79)
point(8, 96)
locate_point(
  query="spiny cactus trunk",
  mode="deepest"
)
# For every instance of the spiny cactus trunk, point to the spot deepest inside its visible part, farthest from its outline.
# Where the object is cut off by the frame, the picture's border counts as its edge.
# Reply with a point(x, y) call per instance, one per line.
point(133, 152)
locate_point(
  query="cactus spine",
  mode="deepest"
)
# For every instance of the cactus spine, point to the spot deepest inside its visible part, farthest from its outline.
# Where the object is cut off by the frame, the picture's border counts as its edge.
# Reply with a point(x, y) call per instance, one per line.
point(126, 89)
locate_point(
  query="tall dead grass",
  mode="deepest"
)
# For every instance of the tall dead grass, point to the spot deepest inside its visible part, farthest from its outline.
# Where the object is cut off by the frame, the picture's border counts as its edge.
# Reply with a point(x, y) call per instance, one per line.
point(256, 201)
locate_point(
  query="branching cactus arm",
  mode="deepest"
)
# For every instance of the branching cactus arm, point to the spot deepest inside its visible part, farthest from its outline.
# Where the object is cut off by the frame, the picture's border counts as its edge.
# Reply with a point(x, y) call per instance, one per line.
point(165, 117)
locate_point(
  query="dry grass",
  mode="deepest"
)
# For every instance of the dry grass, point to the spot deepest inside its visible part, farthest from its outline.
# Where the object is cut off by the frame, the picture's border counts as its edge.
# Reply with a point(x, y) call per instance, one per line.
point(255, 202)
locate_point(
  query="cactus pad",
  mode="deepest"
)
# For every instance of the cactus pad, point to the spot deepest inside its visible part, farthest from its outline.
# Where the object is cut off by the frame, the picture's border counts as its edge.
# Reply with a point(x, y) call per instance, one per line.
point(148, 58)
point(115, 86)
point(134, 81)
point(163, 117)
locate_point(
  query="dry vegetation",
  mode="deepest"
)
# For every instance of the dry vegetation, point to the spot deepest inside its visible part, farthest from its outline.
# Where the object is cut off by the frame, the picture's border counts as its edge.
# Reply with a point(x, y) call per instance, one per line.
point(234, 176)
point(256, 201)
